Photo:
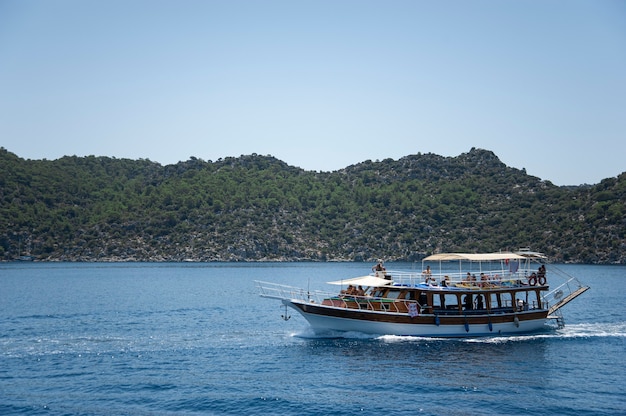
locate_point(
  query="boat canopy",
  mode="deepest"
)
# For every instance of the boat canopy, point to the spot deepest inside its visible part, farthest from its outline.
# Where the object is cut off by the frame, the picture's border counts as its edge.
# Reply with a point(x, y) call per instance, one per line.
point(475, 256)
point(362, 281)
point(531, 254)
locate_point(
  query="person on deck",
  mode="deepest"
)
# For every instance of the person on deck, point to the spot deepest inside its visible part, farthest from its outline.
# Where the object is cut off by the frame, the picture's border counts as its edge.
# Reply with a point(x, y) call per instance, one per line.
point(469, 304)
point(542, 271)
point(428, 276)
point(479, 302)
point(349, 291)
point(360, 291)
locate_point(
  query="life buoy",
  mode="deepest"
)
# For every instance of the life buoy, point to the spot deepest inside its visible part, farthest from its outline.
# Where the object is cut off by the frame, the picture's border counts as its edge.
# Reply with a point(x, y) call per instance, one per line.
point(542, 280)
point(532, 280)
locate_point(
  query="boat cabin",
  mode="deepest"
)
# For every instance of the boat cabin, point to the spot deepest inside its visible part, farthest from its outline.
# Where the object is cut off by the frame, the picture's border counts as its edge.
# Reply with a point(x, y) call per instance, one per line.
point(451, 302)
point(491, 283)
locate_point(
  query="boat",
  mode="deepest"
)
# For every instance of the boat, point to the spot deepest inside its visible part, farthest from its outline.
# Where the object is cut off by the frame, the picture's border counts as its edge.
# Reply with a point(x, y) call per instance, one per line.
point(455, 295)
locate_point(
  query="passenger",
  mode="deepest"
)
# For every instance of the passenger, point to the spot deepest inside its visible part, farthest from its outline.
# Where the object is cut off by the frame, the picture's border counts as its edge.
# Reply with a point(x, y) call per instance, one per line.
point(479, 302)
point(468, 277)
point(542, 271)
point(379, 270)
point(428, 276)
point(484, 280)
point(360, 291)
point(444, 281)
point(349, 291)
point(469, 305)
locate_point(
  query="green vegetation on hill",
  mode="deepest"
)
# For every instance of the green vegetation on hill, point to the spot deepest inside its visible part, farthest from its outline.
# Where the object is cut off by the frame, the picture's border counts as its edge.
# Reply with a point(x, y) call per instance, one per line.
point(259, 208)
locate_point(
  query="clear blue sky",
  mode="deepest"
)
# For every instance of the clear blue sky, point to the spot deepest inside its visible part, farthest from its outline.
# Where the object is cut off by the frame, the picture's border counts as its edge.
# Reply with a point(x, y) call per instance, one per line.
point(318, 84)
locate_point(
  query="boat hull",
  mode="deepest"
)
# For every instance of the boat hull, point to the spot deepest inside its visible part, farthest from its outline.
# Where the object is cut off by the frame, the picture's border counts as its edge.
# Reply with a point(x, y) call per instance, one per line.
point(325, 319)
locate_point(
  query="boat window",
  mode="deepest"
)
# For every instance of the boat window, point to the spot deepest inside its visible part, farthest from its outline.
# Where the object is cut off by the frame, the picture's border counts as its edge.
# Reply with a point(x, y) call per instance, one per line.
point(422, 299)
point(377, 293)
point(393, 294)
point(437, 299)
point(495, 301)
point(507, 300)
point(445, 301)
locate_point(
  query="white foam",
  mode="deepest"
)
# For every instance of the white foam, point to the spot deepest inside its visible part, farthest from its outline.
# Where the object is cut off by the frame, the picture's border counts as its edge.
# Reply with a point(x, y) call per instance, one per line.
point(583, 330)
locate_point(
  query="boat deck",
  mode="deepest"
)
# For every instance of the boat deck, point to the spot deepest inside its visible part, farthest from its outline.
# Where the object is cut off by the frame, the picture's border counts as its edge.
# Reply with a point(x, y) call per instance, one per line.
point(485, 279)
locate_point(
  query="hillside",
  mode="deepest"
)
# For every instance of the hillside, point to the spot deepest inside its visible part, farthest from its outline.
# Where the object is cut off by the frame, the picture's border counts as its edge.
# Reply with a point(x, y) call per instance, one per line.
point(259, 208)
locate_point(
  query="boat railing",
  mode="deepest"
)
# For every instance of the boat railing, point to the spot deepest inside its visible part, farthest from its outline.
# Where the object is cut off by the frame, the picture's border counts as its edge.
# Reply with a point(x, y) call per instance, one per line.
point(562, 294)
point(477, 279)
point(279, 291)
point(365, 302)
point(378, 304)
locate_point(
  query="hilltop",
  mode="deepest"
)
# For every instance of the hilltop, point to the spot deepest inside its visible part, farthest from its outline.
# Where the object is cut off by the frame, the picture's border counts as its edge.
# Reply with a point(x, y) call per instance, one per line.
point(258, 208)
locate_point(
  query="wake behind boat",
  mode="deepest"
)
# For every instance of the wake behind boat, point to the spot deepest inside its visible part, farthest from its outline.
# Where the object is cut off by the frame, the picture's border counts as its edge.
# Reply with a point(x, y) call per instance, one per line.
point(456, 295)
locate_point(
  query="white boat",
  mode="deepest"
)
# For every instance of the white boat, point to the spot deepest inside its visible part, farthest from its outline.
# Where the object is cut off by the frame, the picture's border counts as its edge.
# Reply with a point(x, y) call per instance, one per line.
point(456, 295)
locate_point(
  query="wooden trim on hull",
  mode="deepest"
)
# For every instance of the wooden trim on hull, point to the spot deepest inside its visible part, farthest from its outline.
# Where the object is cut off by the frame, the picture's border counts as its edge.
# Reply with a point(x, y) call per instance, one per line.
point(324, 318)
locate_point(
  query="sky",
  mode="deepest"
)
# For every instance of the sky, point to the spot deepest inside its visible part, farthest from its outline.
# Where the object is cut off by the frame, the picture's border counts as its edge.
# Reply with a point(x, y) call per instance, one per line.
point(320, 84)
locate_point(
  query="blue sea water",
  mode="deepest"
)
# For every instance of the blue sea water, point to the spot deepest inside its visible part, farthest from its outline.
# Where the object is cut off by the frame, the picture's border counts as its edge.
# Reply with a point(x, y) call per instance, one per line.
point(196, 339)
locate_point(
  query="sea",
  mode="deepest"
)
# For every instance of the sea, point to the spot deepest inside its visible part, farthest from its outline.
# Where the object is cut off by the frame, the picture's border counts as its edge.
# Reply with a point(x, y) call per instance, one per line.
point(197, 339)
